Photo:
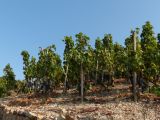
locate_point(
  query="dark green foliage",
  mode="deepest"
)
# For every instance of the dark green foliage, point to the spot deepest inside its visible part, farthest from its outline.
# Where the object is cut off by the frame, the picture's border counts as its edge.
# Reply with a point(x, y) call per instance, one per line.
point(7, 81)
point(3, 87)
point(9, 76)
point(155, 90)
point(150, 52)
point(84, 64)
point(120, 58)
point(44, 73)
point(108, 60)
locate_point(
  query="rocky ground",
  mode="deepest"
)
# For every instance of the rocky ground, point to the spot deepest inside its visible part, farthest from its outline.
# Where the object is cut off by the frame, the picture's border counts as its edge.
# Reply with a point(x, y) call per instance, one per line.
point(108, 105)
point(89, 111)
point(66, 108)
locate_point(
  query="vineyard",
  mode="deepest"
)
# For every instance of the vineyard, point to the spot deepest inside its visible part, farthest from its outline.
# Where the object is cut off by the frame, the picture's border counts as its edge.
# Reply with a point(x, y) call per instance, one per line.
point(104, 73)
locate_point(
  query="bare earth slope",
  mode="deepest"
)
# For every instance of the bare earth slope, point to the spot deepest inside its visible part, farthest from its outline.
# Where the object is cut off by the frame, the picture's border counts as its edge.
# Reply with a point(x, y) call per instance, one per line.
point(98, 105)
point(62, 109)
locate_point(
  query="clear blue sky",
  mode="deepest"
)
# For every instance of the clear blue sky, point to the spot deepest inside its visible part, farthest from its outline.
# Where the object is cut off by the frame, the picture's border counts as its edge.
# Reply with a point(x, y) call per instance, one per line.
point(28, 24)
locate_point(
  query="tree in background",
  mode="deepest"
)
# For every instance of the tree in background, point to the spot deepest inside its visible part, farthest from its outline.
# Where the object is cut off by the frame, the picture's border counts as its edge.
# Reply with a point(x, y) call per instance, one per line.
point(7, 81)
point(158, 57)
point(67, 57)
point(46, 72)
point(108, 58)
point(97, 58)
point(83, 63)
point(120, 58)
point(48, 67)
point(149, 48)
point(9, 76)
point(26, 71)
point(82, 43)
point(3, 87)
point(134, 60)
